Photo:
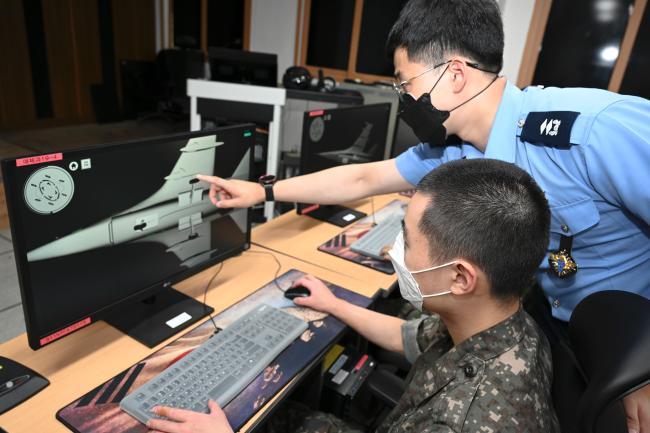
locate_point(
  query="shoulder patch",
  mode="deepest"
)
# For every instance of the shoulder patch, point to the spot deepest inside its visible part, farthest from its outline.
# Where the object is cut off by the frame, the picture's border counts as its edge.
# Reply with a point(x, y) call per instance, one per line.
point(552, 128)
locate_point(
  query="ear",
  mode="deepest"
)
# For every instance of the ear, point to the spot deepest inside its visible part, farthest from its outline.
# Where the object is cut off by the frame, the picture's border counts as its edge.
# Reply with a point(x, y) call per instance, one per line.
point(465, 278)
point(458, 75)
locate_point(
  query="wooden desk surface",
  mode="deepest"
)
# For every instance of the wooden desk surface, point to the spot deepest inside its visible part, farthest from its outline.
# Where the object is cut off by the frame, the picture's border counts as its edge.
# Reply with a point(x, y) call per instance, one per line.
point(300, 236)
point(91, 356)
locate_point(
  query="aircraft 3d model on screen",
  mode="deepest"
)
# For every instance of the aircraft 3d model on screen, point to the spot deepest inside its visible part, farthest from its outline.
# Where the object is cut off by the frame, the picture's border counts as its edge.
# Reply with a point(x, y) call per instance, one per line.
point(181, 202)
point(355, 153)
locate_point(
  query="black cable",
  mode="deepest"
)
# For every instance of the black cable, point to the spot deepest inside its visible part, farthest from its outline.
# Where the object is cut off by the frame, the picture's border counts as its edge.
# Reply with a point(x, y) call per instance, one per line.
point(277, 271)
point(275, 281)
point(205, 294)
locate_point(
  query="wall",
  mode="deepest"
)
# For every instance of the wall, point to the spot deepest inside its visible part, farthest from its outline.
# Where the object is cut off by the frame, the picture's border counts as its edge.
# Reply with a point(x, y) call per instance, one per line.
point(273, 30)
point(516, 21)
point(69, 57)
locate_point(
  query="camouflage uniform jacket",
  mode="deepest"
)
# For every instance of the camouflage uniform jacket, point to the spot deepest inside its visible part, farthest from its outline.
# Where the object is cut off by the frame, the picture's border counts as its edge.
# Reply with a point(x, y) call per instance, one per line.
point(496, 381)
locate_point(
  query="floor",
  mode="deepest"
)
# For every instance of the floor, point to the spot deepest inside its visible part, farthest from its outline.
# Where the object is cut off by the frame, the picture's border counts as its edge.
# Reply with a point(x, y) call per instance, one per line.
point(11, 310)
point(17, 143)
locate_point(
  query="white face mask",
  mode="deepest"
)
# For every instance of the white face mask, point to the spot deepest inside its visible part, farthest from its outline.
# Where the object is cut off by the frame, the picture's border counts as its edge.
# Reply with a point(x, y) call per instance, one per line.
point(408, 286)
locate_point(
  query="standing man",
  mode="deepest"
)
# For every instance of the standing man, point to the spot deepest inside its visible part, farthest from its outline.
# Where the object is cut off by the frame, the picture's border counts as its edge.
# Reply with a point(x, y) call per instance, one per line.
point(588, 149)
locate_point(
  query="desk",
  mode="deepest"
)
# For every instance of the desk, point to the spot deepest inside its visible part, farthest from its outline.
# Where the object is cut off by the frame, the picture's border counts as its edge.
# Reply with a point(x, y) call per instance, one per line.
point(300, 236)
point(91, 356)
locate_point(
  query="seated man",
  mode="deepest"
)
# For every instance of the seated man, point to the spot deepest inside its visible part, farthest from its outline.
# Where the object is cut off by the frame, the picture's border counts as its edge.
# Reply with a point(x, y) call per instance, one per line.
point(474, 235)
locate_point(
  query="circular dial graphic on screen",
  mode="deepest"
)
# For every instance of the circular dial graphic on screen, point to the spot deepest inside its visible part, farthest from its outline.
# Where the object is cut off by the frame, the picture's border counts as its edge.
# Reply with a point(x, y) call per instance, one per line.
point(316, 129)
point(49, 190)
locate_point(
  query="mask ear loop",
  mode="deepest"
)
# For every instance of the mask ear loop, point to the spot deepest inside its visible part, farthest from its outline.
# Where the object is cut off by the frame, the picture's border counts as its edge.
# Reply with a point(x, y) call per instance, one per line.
point(437, 81)
point(484, 89)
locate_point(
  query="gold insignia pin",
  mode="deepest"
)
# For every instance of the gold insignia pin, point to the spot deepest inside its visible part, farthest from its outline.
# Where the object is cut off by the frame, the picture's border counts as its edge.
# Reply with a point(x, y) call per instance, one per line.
point(562, 264)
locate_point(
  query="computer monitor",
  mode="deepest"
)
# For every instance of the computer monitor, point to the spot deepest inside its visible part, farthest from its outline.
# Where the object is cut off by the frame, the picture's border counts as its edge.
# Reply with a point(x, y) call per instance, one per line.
point(337, 137)
point(245, 67)
point(375, 94)
point(404, 138)
point(104, 232)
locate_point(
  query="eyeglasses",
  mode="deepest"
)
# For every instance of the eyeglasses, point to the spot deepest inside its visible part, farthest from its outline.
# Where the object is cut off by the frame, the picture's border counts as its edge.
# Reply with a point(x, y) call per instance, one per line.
point(400, 88)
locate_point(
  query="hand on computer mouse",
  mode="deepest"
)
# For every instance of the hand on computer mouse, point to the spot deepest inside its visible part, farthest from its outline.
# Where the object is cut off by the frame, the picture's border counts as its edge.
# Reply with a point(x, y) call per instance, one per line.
point(298, 291)
point(180, 421)
point(321, 298)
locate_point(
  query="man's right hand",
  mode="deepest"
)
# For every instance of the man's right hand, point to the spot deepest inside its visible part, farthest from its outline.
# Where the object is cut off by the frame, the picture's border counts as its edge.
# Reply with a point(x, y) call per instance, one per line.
point(321, 298)
point(233, 193)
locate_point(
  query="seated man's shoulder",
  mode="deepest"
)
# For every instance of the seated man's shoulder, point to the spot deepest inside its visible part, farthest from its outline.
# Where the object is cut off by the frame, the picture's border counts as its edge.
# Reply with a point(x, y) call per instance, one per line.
point(515, 393)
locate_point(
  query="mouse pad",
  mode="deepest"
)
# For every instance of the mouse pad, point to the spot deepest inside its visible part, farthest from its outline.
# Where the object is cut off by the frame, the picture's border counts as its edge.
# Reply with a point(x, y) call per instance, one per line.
point(98, 410)
point(340, 244)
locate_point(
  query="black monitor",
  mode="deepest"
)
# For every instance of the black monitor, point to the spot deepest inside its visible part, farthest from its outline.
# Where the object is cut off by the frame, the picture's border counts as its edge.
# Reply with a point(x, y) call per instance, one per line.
point(341, 136)
point(104, 232)
point(404, 138)
point(244, 67)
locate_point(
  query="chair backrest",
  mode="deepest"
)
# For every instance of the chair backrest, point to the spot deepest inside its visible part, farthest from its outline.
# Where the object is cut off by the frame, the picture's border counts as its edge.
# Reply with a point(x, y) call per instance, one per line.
point(609, 333)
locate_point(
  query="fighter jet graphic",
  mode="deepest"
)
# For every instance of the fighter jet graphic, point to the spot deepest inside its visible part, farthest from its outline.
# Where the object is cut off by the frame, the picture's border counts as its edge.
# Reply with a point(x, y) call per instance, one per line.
point(355, 153)
point(182, 202)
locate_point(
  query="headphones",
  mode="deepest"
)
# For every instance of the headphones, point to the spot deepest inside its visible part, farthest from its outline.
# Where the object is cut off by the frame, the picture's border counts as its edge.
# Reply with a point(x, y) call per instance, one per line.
point(298, 77)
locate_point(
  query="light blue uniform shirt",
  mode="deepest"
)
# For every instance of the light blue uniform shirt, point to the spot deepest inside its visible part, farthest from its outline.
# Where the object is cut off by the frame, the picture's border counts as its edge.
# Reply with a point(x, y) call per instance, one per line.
point(598, 188)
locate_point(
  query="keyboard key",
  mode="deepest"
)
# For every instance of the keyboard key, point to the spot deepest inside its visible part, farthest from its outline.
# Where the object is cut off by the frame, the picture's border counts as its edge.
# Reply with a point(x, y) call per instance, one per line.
point(221, 367)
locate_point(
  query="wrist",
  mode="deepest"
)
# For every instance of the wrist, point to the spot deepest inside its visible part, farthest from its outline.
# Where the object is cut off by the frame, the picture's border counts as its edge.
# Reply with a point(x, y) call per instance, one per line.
point(260, 196)
point(337, 307)
point(268, 181)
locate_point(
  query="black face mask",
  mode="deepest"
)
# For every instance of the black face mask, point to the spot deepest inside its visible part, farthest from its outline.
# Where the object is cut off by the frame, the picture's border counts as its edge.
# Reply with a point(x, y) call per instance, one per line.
point(425, 119)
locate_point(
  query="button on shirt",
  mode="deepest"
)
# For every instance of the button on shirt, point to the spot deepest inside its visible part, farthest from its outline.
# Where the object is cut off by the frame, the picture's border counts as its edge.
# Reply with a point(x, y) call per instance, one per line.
point(597, 185)
point(497, 380)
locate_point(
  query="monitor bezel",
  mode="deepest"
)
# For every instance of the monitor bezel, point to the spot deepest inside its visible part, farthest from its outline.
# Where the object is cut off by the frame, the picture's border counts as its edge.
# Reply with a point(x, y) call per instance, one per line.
point(304, 208)
point(242, 58)
point(20, 253)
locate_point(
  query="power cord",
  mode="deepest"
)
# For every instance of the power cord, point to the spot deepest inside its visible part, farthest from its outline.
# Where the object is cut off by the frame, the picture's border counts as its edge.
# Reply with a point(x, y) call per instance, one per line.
point(277, 271)
point(207, 286)
point(205, 294)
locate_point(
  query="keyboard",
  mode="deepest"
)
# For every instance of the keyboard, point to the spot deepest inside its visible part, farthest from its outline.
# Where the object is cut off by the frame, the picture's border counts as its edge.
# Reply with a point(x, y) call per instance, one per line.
point(221, 367)
point(383, 234)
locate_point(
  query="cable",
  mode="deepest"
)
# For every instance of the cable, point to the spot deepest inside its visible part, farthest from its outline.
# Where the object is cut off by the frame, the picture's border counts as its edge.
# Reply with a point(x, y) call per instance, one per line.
point(205, 294)
point(372, 203)
point(275, 280)
point(277, 271)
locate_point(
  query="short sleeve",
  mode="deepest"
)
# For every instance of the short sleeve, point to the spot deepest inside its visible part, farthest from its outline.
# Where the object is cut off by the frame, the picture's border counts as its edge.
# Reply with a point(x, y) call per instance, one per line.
point(419, 334)
point(617, 155)
point(419, 160)
point(410, 339)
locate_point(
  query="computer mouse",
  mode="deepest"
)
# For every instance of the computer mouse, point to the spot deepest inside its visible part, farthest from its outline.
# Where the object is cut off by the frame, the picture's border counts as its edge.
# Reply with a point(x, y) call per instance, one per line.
point(297, 292)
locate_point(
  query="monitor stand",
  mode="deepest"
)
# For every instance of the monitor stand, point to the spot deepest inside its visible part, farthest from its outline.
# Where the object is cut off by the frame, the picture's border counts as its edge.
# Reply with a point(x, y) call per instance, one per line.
point(157, 318)
point(334, 214)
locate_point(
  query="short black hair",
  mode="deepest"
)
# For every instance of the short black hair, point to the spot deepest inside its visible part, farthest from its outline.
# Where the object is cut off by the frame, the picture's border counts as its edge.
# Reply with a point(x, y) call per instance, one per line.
point(491, 213)
point(429, 30)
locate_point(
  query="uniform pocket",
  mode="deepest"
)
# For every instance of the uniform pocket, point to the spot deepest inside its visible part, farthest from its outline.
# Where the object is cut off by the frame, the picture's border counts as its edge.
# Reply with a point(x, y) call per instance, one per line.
point(574, 218)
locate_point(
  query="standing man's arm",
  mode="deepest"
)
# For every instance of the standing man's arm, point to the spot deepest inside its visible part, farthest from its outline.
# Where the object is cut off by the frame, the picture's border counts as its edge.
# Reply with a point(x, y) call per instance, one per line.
point(617, 156)
point(335, 185)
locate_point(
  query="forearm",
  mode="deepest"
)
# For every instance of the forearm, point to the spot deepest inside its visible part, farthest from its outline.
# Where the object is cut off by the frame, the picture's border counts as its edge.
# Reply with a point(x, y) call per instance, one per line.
point(341, 184)
point(381, 329)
